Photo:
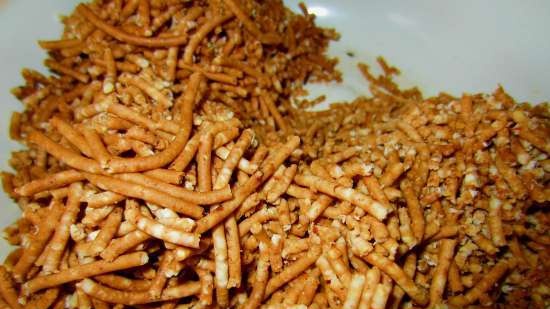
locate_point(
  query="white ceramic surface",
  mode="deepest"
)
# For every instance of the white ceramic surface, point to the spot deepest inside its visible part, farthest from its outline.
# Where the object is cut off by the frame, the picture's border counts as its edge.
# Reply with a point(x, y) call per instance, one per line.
point(452, 46)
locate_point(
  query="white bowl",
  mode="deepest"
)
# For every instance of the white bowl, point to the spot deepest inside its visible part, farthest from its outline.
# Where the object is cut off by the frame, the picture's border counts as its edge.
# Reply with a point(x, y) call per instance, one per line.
point(452, 46)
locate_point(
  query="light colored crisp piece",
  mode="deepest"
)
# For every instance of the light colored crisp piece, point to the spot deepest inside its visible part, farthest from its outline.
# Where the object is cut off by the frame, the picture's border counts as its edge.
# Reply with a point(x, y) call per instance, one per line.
point(85, 271)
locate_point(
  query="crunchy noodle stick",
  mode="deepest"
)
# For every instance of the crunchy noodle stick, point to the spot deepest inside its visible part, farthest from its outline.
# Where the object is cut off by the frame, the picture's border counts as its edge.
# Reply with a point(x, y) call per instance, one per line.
point(222, 267)
point(522, 156)
point(258, 217)
point(405, 228)
point(233, 252)
point(279, 183)
point(243, 17)
point(221, 274)
point(123, 283)
point(145, 193)
point(392, 172)
point(129, 38)
point(144, 17)
point(381, 293)
point(84, 271)
point(417, 293)
point(120, 245)
point(171, 152)
point(260, 282)
point(187, 154)
point(93, 216)
point(159, 230)
point(303, 193)
point(218, 214)
point(45, 230)
point(534, 139)
point(145, 136)
point(102, 199)
point(60, 68)
point(378, 229)
point(91, 110)
point(200, 34)
point(171, 63)
point(358, 244)
point(437, 287)
point(343, 155)
point(392, 193)
point(52, 181)
point(165, 175)
point(275, 253)
point(184, 224)
point(409, 268)
point(486, 282)
point(353, 196)
point(7, 289)
point(225, 137)
point(375, 189)
point(71, 135)
point(164, 17)
point(106, 233)
point(111, 74)
point(7, 183)
point(259, 155)
point(338, 264)
point(415, 210)
point(446, 231)
point(98, 150)
point(331, 279)
point(248, 69)
point(12, 258)
point(130, 115)
point(516, 251)
point(214, 76)
point(309, 288)
point(35, 98)
point(203, 198)
point(158, 283)
point(371, 281)
point(207, 285)
point(61, 236)
point(63, 154)
point(59, 44)
point(249, 204)
point(97, 304)
point(509, 174)
point(204, 158)
point(125, 228)
point(15, 126)
point(484, 243)
point(292, 292)
point(135, 298)
point(160, 99)
point(495, 222)
point(233, 159)
point(318, 207)
point(55, 193)
point(44, 300)
point(275, 159)
point(84, 301)
point(281, 123)
point(292, 271)
point(354, 291)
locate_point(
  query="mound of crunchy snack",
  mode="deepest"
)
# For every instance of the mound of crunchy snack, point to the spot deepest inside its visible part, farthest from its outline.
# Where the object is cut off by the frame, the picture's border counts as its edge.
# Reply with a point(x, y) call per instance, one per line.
point(169, 164)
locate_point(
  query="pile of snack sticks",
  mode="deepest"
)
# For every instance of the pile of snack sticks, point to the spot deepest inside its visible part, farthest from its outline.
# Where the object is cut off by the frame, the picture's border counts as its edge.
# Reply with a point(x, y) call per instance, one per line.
point(169, 164)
